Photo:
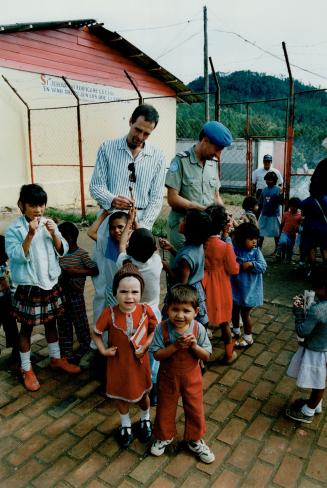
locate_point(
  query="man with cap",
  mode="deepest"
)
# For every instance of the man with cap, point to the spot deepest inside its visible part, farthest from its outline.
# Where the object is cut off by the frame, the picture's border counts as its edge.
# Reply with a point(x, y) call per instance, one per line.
point(192, 180)
point(258, 176)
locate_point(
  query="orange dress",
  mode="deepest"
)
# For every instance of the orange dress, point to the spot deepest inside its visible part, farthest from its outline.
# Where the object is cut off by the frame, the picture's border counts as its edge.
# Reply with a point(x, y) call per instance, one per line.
point(128, 378)
point(220, 263)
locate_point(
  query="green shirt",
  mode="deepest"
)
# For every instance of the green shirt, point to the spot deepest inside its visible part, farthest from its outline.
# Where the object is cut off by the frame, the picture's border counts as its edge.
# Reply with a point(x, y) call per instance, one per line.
point(193, 181)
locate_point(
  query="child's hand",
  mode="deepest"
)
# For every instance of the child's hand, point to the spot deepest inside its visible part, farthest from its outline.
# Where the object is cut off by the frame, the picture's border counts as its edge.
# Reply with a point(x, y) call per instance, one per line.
point(193, 341)
point(247, 265)
point(33, 226)
point(110, 351)
point(184, 342)
point(51, 226)
point(165, 244)
point(140, 351)
point(298, 301)
point(165, 265)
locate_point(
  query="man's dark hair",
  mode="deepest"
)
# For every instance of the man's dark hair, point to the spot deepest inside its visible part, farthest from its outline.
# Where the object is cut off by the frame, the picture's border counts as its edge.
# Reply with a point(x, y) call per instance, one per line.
point(69, 231)
point(245, 231)
point(149, 113)
point(182, 294)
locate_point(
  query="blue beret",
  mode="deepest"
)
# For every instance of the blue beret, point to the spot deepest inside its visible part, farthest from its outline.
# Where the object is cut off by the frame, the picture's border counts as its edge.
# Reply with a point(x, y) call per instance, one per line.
point(217, 133)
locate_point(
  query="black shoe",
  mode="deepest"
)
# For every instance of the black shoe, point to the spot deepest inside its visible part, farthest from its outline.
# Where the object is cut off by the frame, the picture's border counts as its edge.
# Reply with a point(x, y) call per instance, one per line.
point(153, 395)
point(124, 438)
point(145, 430)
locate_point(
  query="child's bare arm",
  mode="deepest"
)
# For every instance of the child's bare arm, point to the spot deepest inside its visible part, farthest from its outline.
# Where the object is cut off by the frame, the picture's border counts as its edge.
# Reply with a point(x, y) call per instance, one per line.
point(127, 230)
point(165, 352)
point(110, 351)
point(92, 231)
point(167, 246)
point(75, 271)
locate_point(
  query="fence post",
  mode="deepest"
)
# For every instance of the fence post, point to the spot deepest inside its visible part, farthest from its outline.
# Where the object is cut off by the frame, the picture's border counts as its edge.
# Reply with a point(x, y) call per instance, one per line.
point(80, 147)
point(290, 129)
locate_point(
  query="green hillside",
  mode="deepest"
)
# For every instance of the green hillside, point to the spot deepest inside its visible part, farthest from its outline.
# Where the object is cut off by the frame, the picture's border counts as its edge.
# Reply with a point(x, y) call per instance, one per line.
point(265, 119)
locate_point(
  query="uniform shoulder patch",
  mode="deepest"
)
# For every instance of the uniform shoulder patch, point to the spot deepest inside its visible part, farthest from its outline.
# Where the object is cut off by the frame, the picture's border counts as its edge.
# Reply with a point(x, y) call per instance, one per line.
point(173, 166)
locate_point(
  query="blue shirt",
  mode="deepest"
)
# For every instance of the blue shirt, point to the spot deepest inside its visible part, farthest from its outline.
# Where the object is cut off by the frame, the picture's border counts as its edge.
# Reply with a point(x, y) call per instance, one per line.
point(194, 256)
point(247, 286)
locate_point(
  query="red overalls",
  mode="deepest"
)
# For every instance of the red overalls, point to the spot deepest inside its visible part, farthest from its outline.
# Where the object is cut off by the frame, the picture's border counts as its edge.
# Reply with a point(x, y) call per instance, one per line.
point(179, 375)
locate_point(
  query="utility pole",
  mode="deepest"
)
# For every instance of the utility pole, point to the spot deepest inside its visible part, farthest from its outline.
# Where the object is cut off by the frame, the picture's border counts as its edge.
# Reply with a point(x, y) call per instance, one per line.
point(205, 63)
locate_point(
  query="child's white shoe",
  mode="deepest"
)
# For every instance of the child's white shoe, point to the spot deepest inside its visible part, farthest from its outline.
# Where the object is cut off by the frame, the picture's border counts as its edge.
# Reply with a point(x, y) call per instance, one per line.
point(203, 451)
point(158, 447)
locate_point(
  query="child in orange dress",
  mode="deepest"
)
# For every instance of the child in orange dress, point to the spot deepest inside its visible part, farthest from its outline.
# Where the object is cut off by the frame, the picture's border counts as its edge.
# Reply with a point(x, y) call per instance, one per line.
point(128, 367)
point(220, 263)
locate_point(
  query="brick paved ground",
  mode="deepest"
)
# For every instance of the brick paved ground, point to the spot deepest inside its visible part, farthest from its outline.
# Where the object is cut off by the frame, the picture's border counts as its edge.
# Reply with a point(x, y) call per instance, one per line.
point(62, 435)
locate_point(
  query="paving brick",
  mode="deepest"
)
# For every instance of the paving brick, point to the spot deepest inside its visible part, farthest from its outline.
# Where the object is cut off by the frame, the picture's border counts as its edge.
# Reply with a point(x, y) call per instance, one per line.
point(264, 358)
point(322, 441)
point(284, 426)
point(33, 426)
point(109, 424)
point(57, 447)
point(223, 411)
point(195, 480)
point(109, 448)
point(160, 482)
point(7, 445)
point(227, 479)
point(248, 409)
point(88, 423)
point(244, 454)
point(180, 464)
point(99, 484)
point(273, 449)
point(305, 483)
point(259, 427)
point(147, 468)
point(89, 404)
point(286, 386)
point(317, 467)
point(263, 390)
point(54, 473)
point(289, 471)
point(61, 425)
point(230, 377)
point(16, 405)
point(11, 425)
point(243, 362)
point(86, 445)
point(275, 406)
point(212, 395)
point(221, 451)
point(119, 467)
point(24, 475)
point(301, 443)
point(40, 406)
point(252, 374)
point(254, 350)
point(208, 379)
point(86, 470)
point(275, 346)
point(274, 373)
point(26, 450)
point(240, 391)
point(259, 476)
point(233, 430)
point(88, 389)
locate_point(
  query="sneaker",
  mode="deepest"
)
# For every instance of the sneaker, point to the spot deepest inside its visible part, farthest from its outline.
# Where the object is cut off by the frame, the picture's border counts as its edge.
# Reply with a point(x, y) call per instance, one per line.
point(145, 431)
point(299, 402)
point(62, 363)
point(158, 447)
point(203, 452)
point(124, 436)
point(298, 415)
point(88, 359)
point(30, 380)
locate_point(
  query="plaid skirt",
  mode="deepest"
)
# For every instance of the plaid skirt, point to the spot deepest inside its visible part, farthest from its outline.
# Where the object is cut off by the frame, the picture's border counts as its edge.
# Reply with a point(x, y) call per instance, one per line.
point(34, 306)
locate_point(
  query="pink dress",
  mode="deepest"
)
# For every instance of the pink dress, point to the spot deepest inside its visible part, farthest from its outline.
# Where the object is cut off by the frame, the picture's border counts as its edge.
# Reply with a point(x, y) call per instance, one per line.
point(220, 263)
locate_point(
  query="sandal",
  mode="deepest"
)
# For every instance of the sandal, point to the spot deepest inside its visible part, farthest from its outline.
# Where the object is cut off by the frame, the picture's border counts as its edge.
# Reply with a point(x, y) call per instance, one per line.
point(243, 344)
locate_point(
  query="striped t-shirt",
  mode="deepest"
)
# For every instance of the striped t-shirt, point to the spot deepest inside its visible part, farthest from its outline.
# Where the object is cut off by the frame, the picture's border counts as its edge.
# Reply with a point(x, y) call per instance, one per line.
point(77, 259)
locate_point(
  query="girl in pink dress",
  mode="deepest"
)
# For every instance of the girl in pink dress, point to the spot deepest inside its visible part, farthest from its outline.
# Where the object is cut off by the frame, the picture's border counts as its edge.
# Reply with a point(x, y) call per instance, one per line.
point(220, 264)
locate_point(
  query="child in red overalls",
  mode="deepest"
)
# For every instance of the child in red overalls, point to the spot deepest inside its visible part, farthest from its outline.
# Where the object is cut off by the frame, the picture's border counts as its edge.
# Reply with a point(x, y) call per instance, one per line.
point(179, 343)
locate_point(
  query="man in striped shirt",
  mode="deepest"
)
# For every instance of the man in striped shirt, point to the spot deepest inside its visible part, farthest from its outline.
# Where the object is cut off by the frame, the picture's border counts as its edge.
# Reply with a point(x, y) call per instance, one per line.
point(131, 171)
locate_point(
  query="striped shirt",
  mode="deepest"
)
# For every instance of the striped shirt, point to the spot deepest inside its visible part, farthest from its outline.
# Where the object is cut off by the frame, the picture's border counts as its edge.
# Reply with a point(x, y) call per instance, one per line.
point(76, 259)
point(111, 178)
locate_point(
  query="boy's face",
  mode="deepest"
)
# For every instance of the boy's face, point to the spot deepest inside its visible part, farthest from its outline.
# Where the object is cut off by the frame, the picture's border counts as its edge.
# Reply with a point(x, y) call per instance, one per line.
point(31, 211)
point(128, 294)
point(116, 228)
point(181, 314)
point(270, 183)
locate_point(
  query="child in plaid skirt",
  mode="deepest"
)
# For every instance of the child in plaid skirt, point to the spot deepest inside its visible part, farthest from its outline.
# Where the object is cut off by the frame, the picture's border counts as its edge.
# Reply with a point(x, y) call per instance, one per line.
point(76, 265)
point(33, 245)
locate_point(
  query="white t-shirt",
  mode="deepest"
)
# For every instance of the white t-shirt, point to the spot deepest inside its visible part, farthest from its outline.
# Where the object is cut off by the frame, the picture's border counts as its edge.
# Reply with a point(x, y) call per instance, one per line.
point(258, 177)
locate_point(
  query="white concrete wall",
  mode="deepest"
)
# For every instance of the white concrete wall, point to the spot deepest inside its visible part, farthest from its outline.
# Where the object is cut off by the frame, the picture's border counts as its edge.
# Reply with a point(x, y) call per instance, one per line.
point(55, 140)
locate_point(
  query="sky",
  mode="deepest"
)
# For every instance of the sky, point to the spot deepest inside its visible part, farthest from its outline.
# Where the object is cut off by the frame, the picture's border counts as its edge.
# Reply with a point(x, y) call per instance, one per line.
point(242, 34)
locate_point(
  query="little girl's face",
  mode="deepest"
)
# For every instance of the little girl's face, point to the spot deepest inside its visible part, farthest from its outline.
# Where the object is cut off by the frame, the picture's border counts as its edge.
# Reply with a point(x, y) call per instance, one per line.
point(250, 244)
point(116, 228)
point(270, 183)
point(128, 294)
point(32, 211)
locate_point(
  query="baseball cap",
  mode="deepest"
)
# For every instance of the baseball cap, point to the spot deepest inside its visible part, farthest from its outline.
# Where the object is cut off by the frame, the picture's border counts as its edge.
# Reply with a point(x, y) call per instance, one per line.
point(267, 157)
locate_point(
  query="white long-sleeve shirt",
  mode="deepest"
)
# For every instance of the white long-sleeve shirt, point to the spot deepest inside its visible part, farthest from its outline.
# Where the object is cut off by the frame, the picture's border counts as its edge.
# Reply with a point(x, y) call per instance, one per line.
point(111, 178)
